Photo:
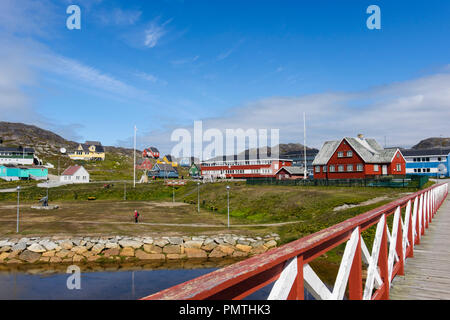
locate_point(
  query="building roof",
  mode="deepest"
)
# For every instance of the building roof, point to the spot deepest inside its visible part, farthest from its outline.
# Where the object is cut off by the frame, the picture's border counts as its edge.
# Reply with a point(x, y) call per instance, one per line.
point(71, 170)
point(98, 147)
point(426, 152)
point(292, 170)
point(368, 149)
point(241, 157)
point(164, 167)
point(153, 149)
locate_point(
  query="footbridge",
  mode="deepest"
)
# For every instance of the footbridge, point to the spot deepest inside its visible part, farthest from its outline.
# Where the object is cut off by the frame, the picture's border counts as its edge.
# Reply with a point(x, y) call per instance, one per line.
point(409, 259)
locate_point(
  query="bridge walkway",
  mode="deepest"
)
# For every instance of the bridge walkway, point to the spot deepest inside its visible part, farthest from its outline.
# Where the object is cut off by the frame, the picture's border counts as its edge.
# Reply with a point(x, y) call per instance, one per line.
point(427, 275)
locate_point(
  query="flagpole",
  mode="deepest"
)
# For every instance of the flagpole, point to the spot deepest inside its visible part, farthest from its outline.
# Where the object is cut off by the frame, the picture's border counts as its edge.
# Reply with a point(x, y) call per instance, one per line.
point(134, 159)
point(304, 141)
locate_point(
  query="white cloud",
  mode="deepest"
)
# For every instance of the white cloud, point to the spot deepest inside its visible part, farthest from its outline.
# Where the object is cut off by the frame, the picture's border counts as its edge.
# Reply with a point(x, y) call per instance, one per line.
point(403, 112)
point(119, 17)
point(154, 32)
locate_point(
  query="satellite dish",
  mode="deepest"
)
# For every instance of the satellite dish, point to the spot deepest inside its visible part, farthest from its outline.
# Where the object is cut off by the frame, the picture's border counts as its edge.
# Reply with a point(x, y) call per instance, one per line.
point(442, 169)
point(62, 150)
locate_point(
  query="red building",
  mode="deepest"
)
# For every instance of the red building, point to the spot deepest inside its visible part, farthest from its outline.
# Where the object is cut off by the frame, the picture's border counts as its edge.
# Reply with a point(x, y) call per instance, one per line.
point(231, 167)
point(357, 158)
point(151, 152)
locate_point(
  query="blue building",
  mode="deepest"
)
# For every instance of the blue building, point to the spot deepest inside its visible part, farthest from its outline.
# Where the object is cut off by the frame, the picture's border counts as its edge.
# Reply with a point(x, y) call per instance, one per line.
point(163, 170)
point(430, 162)
point(15, 172)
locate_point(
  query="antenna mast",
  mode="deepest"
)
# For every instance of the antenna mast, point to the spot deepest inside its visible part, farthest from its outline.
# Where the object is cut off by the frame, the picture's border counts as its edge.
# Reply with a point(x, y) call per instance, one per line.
point(304, 143)
point(134, 159)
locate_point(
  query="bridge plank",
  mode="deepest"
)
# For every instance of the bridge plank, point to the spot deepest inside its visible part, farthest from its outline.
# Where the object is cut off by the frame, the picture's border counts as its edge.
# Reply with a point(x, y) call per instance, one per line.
point(427, 275)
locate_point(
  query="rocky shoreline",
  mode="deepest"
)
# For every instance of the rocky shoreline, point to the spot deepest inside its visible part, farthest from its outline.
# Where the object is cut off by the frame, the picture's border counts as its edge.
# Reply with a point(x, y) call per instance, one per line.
point(119, 249)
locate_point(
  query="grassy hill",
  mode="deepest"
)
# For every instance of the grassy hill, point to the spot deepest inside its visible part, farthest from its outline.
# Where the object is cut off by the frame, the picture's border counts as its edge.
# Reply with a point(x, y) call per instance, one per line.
point(431, 143)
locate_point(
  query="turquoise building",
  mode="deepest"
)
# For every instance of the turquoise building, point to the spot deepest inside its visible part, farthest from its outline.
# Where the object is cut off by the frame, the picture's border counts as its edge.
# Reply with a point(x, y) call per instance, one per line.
point(13, 172)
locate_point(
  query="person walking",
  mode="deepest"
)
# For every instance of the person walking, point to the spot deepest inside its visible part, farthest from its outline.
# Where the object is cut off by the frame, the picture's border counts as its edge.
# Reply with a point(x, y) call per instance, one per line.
point(136, 216)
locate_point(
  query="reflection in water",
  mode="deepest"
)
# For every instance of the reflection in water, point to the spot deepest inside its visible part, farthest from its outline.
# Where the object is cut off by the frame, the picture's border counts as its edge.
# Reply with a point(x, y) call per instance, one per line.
point(110, 282)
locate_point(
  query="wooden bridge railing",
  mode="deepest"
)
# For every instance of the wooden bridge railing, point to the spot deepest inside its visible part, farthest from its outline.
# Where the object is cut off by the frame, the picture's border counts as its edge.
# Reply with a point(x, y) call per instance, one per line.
point(288, 266)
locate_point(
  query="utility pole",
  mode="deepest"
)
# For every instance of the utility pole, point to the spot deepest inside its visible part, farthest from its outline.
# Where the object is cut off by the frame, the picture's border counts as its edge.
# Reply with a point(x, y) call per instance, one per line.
point(304, 144)
point(125, 191)
point(228, 205)
point(18, 203)
point(134, 158)
point(198, 197)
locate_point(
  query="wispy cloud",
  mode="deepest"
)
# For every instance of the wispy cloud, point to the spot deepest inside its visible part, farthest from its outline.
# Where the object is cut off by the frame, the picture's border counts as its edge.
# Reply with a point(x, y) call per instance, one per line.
point(154, 32)
point(150, 77)
point(228, 52)
point(119, 17)
point(185, 60)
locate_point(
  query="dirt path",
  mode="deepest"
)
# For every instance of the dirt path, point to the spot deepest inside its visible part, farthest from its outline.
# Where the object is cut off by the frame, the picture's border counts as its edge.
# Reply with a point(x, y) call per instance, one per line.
point(194, 225)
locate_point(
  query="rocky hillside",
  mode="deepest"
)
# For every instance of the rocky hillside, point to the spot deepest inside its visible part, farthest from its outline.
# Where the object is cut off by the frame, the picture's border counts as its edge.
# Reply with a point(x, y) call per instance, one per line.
point(283, 149)
point(433, 142)
point(46, 143)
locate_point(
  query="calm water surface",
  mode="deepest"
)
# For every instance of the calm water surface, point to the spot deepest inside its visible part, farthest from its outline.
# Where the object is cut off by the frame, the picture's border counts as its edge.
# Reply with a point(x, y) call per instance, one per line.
point(104, 283)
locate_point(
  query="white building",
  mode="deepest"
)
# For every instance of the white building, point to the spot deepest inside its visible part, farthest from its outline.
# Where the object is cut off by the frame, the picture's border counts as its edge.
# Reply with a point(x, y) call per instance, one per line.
point(75, 174)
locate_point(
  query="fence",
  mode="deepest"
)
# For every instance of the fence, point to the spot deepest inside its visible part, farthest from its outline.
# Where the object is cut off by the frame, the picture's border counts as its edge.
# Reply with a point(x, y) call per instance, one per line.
point(413, 181)
point(288, 266)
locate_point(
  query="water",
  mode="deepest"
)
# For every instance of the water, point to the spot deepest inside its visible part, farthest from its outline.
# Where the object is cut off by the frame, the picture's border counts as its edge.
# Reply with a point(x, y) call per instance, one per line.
point(105, 283)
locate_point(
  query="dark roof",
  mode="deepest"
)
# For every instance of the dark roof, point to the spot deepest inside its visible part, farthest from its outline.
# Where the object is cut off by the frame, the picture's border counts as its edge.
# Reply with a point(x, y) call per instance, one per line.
point(153, 149)
point(169, 157)
point(294, 170)
point(426, 152)
point(164, 167)
point(98, 147)
point(18, 149)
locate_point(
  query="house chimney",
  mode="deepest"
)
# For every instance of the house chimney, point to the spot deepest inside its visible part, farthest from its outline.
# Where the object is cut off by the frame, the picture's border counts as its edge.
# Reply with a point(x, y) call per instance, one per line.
point(361, 136)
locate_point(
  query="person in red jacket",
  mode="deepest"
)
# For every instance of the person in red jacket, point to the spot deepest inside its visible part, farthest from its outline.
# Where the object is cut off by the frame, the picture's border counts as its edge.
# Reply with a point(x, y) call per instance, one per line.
point(136, 216)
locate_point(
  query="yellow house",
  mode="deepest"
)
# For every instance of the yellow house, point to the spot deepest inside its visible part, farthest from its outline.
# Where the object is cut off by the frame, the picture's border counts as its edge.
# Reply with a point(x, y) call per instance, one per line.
point(90, 150)
point(168, 160)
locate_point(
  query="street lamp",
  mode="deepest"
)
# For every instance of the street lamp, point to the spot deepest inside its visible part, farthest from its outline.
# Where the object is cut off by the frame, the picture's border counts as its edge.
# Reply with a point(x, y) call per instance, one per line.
point(198, 197)
point(228, 204)
point(18, 197)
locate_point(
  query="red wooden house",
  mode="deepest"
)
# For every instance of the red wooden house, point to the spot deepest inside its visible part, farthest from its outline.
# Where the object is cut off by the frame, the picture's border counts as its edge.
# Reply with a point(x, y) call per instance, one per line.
point(357, 158)
point(232, 167)
point(151, 152)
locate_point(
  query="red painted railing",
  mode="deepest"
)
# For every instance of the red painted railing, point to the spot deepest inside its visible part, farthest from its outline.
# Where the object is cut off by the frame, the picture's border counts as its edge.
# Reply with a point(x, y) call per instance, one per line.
point(288, 266)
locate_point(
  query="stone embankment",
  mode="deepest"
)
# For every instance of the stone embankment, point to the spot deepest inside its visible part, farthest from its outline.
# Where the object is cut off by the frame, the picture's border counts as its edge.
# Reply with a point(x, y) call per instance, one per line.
point(117, 248)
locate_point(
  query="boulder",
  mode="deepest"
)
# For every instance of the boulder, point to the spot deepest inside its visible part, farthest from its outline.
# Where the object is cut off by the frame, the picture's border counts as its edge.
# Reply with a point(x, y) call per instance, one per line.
point(193, 244)
point(111, 252)
point(226, 249)
point(270, 244)
point(195, 253)
point(216, 253)
point(35, 247)
point(98, 248)
point(142, 255)
point(243, 248)
point(50, 253)
point(29, 256)
point(130, 243)
point(112, 245)
point(258, 250)
point(20, 246)
point(160, 242)
point(3, 256)
point(175, 256)
point(209, 247)
point(152, 249)
point(176, 240)
point(5, 249)
point(66, 244)
point(55, 260)
point(77, 258)
point(79, 249)
point(48, 245)
point(127, 252)
point(172, 249)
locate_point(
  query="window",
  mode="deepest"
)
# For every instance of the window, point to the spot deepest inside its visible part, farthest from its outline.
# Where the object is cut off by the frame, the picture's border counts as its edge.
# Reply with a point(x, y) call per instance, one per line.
point(439, 158)
point(317, 169)
point(340, 168)
point(415, 170)
point(332, 169)
point(419, 170)
point(349, 154)
point(359, 167)
point(340, 154)
point(324, 168)
point(399, 167)
point(350, 167)
point(376, 168)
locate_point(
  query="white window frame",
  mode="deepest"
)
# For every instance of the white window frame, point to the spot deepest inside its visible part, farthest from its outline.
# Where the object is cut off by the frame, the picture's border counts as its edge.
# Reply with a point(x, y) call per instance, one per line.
point(340, 154)
point(341, 168)
point(376, 168)
point(359, 167)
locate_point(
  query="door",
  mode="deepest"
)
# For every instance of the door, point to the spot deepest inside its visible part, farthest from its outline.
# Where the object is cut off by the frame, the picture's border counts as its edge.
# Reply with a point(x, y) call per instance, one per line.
point(384, 169)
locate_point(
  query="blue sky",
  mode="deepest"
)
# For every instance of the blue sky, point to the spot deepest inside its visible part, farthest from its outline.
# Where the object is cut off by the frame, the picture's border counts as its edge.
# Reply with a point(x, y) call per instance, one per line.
point(253, 64)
